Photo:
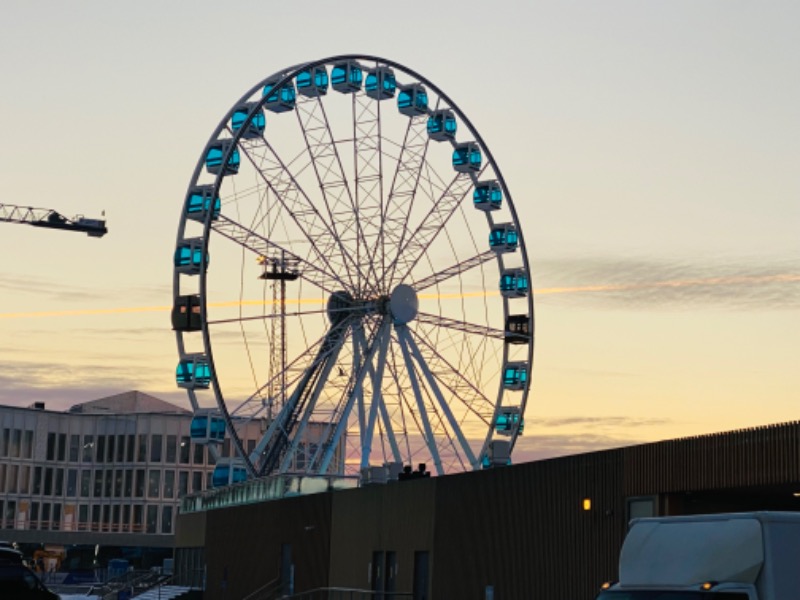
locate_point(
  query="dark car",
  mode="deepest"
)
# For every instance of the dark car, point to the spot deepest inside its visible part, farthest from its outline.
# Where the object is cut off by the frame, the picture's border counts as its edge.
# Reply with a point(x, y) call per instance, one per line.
point(9, 555)
point(20, 583)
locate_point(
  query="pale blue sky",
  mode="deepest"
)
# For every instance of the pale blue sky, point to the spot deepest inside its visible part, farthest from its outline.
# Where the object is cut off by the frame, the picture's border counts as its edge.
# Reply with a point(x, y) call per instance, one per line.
point(643, 141)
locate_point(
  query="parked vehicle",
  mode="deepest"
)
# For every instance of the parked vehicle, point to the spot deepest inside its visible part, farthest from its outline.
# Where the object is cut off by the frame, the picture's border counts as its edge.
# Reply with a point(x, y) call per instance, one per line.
point(741, 556)
point(20, 583)
point(8, 554)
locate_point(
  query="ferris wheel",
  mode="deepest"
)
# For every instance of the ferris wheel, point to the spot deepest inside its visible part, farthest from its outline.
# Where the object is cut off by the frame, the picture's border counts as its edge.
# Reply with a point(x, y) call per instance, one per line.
point(351, 287)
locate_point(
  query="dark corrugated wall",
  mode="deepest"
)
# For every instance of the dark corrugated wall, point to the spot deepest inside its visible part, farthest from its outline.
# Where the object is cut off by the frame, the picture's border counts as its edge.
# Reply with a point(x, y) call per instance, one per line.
point(520, 529)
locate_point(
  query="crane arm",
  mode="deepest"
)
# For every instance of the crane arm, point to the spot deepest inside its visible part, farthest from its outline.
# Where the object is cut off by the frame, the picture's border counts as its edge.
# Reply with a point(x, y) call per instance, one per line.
point(46, 217)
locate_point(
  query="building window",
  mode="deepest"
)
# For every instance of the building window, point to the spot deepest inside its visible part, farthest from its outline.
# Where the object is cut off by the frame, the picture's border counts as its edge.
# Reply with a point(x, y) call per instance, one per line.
point(72, 483)
point(197, 481)
point(152, 518)
point(98, 483)
point(11, 480)
point(106, 518)
point(74, 447)
point(27, 444)
point(166, 519)
point(183, 483)
point(5, 441)
point(141, 455)
point(169, 484)
point(126, 517)
point(131, 448)
point(59, 487)
point(108, 488)
point(156, 443)
point(37, 481)
point(139, 483)
point(226, 447)
point(198, 454)
point(48, 481)
point(95, 524)
point(56, 516)
point(16, 442)
point(120, 448)
point(51, 446)
point(643, 506)
point(34, 524)
point(137, 518)
point(185, 450)
point(62, 447)
point(154, 483)
point(128, 483)
point(172, 449)
point(88, 447)
point(2, 478)
point(83, 517)
point(101, 448)
point(115, 517)
point(45, 522)
point(24, 480)
point(11, 514)
point(118, 483)
point(86, 482)
point(111, 448)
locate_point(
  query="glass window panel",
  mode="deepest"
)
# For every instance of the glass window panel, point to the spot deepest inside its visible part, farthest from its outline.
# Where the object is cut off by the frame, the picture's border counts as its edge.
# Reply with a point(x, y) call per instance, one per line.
point(197, 481)
point(72, 482)
point(59, 483)
point(128, 483)
point(126, 517)
point(183, 483)
point(34, 524)
point(25, 479)
point(152, 518)
point(172, 449)
point(131, 448)
point(45, 521)
point(185, 450)
point(197, 457)
point(111, 448)
point(16, 443)
point(86, 482)
point(137, 517)
point(118, 483)
point(95, 524)
point(141, 455)
point(156, 445)
point(88, 446)
point(169, 484)
point(98, 483)
point(27, 444)
point(115, 517)
point(101, 448)
point(139, 483)
point(166, 519)
point(5, 441)
point(154, 483)
point(48, 482)
point(56, 516)
point(37, 480)
point(83, 517)
point(74, 447)
point(51, 446)
point(11, 479)
point(120, 448)
point(62, 447)
point(109, 483)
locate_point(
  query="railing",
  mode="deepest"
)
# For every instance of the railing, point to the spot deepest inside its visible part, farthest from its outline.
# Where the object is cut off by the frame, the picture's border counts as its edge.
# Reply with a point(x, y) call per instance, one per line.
point(268, 591)
point(340, 593)
point(272, 487)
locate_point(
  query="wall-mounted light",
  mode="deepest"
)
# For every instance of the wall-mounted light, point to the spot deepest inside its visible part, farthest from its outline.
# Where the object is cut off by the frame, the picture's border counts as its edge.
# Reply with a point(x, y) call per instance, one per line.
point(587, 504)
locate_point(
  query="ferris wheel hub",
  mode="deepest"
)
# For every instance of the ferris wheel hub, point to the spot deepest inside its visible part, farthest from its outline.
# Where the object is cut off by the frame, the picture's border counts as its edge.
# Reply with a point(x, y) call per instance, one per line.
point(403, 304)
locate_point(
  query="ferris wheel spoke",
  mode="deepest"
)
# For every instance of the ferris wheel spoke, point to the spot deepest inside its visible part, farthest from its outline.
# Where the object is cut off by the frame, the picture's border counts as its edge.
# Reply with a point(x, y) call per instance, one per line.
point(403, 406)
point(330, 173)
point(257, 402)
point(360, 373)
point(261, 246)
point(454, 427)
point(429, 437)
point(403, 190)
point(457, 383)
point(297, 204)
point(472, 328)
point(433, 223)
point(264, 317)
point(277, 437)
point(453, 270)
point(368, 175)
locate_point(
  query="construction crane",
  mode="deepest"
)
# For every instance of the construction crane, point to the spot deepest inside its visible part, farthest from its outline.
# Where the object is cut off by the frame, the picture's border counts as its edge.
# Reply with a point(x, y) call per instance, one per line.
point(47, 217)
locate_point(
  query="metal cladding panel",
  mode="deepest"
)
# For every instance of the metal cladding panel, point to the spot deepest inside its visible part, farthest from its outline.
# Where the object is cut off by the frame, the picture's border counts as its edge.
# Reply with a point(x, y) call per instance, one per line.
point(244, 545)
point(745, 458)
point(394, 517)
point(523, 531)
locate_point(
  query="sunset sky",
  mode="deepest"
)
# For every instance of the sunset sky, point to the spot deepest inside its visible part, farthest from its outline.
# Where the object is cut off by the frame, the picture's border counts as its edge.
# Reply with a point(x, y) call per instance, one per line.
point(652, 149)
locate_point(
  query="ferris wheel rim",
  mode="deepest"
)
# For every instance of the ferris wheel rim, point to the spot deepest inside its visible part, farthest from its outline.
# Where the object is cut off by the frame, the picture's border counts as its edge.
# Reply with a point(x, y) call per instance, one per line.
point(279, 79)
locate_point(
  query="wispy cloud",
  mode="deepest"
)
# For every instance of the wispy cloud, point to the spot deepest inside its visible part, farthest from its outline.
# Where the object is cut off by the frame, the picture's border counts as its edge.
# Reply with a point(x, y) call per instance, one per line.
point(625, 282)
